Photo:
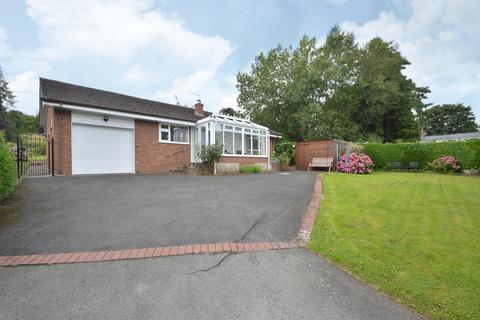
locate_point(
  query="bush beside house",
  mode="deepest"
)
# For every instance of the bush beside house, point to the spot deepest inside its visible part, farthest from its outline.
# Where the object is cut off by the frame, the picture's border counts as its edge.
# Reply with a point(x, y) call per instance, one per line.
point(7, 170)
point(466, 152)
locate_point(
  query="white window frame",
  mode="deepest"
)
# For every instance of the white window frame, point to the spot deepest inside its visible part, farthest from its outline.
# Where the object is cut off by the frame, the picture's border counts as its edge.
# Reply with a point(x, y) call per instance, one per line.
point(160, 130)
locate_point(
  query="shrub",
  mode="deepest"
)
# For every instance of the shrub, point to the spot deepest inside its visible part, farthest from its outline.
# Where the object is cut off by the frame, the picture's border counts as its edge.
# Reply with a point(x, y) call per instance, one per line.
point(466, 152)
point(209, 155)
point(252, 168)
point(7, 170)
point(285, 149)
point(283, 161)
point(355, 163)
point(445, 164)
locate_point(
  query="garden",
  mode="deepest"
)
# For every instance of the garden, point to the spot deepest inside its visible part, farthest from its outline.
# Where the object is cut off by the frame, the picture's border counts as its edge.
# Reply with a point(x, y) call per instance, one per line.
point(412, 235)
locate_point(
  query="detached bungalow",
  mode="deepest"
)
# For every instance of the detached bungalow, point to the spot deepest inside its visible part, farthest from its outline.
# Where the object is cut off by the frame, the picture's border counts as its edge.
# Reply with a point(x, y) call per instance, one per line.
point(96, 131)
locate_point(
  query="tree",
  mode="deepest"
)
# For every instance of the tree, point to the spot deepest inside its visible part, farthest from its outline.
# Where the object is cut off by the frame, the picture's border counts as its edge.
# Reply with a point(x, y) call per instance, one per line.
point(16, 122)
point(228, 111)
point(387, 97)
point(449, 119)
point(6, 99)
point(336, 90)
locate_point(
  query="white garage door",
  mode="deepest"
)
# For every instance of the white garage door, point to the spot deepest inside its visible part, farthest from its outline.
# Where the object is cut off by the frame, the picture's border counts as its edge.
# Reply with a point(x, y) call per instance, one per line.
point(97, 149)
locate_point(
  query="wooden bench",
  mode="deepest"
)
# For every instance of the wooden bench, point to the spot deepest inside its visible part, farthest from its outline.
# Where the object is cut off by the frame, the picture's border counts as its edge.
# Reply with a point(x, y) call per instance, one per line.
point(321, 163)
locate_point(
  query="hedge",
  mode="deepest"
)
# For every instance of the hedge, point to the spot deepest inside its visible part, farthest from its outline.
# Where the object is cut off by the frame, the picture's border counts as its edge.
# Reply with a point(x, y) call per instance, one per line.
point(7, 169)
point(467, 152)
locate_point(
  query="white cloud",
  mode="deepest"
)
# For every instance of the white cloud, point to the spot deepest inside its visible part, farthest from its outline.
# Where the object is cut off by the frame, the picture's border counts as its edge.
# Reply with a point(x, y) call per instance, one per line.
point(25, 89)
point(214, 91)
point(4, 48)
point(441, 40)
point(136, 75)
point(137, 45)
point(120, 29)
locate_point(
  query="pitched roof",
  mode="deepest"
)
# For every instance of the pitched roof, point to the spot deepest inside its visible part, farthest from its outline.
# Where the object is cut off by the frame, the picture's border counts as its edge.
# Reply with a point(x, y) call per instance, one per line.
point(57, 91)
point(457, 136)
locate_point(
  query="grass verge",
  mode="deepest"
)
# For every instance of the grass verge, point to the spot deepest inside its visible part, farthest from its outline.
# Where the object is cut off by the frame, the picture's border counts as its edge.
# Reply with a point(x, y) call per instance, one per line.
point(414, 236)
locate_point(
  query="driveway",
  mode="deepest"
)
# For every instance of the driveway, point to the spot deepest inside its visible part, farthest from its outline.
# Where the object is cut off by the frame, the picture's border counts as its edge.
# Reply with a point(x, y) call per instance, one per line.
point(91, 213)
point(280, 284)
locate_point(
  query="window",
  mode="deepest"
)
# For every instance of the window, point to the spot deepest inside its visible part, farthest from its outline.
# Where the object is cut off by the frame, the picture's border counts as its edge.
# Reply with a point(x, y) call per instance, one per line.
point(247, 150)
point(255, 146)
point(178, 134)
point(238, 142)
point(173, 133)
point(164, 132)
point(219, 137)
point(228, 143)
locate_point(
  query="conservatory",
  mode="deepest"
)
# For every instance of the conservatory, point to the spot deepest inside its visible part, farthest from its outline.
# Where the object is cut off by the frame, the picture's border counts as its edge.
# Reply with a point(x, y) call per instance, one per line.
point(239, 137)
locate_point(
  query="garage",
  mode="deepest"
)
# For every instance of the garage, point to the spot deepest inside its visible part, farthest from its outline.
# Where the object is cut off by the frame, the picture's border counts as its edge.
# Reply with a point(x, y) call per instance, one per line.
point(102, 144)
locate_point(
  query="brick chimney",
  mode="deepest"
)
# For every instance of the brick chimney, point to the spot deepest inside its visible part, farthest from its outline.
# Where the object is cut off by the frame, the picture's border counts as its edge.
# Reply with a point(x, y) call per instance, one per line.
point(199, 108)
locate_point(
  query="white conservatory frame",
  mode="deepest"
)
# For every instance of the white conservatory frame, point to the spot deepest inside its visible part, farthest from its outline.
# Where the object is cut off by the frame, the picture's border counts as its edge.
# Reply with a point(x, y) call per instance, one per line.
point(210, 125)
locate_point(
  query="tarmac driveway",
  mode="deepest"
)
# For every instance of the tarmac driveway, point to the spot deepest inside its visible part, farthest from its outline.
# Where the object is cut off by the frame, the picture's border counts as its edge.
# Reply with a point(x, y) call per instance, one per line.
point(65, 214)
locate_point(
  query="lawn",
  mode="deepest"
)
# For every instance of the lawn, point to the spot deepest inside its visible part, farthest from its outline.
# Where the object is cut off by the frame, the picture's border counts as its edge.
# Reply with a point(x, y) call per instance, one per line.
point(413, 236)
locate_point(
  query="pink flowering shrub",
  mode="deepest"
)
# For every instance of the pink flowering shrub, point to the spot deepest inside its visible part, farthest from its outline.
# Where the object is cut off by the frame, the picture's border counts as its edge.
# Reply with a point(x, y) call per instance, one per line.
point(355, 163)
point(445, 164)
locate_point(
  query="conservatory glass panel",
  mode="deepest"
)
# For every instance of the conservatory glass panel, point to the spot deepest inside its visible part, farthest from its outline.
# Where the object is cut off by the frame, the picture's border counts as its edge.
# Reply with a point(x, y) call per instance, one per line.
point(247, 149)
point(228, 143)
point(203, 136)
point(238, 143)
point(219, 136)
point(263, 145)
point(255, 146)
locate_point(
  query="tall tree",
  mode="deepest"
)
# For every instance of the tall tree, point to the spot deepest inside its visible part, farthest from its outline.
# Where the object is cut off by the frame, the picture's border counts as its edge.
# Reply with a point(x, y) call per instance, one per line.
point(6, 99)
point(229, 111)
point(449, 119)
point(387, 97)
point(336, 90)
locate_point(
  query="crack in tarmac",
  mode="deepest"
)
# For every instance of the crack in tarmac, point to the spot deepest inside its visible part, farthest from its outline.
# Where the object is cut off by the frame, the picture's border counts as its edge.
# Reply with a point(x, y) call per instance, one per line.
point(213, 266)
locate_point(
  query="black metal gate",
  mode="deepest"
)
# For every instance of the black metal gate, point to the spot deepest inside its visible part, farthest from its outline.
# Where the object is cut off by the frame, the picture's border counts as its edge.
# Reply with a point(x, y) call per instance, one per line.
point(34, 155)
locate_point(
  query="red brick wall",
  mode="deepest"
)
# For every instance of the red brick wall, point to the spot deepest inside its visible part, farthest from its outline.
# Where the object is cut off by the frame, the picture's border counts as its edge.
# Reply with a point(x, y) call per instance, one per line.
point(154, 157)
point(272, 146)
point(243, 161)
point(62, 135)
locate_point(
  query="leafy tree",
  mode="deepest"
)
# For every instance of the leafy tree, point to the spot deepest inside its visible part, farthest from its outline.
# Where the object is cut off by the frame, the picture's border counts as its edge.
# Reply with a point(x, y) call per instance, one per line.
point(6, 99)
point(387, 97)
point(228, 111)
point(449, 119)
point(16, 122)
point(336, 90)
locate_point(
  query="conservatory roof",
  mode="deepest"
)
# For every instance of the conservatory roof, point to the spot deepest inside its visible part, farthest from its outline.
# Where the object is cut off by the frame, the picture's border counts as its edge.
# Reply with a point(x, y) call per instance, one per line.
point(221, 118)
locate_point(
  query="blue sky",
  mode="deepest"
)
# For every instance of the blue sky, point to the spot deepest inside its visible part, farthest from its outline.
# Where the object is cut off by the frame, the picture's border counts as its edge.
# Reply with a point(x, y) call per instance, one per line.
point(159, 49)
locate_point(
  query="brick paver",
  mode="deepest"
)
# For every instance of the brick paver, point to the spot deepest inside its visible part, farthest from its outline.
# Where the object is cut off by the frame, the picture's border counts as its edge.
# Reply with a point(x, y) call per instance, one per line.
point(306, 228)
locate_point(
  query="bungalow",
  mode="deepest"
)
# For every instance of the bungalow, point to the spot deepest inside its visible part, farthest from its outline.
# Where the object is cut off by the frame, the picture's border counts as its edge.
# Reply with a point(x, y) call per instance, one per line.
point(94, 132)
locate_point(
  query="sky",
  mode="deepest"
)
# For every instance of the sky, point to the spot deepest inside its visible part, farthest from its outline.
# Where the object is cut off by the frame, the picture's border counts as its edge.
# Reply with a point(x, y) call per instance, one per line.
point(189, 49)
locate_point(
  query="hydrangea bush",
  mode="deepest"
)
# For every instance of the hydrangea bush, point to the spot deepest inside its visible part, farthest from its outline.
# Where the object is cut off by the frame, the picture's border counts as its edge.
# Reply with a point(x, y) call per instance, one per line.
point(445, 164)
point(355, 163)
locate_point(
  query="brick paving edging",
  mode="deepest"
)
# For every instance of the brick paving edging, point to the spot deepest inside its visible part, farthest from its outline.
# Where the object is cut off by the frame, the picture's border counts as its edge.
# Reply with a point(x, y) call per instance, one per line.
point(111, 255)
point(306, 228)
point(308, 220)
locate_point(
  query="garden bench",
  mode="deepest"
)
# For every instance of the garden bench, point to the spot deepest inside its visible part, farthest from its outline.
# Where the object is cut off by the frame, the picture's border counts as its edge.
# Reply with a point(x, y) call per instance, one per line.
point(395, 165)
point(321, 163)
point(413, 166)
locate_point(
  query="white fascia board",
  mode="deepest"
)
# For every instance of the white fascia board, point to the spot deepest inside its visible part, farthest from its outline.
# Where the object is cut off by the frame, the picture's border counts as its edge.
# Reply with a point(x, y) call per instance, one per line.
point(118, 113)
point(218, 118)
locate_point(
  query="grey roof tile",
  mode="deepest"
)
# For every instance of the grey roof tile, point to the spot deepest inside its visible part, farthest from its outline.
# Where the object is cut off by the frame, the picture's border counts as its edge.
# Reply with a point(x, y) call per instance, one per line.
point(57, 91)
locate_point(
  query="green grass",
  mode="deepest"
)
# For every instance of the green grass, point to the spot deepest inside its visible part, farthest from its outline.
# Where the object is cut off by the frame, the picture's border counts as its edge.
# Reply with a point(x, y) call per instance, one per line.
point(414, 236)
point(252, 168)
